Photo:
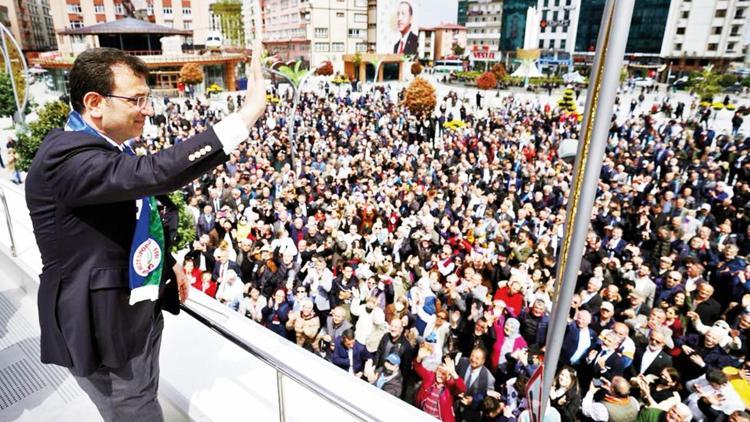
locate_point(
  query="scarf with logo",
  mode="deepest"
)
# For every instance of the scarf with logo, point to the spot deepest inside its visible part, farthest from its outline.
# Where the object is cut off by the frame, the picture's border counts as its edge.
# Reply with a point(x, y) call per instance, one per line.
point(147, 249)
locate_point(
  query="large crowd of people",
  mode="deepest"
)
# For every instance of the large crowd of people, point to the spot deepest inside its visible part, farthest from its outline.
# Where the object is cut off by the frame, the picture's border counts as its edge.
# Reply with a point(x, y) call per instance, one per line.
point(422, 259)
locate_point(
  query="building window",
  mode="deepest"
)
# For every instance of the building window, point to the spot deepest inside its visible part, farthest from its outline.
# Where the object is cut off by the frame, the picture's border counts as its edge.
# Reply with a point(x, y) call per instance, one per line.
point(76, 24)
point(167, 10)
point(713, 47)
point(360, 18)
point(74, 8)
point(321, 32)
point(541, 43)
point(735, 31)
point(119, 9)
point(337, 47)
point(738, 14)
point(681, 31)
point(339, 14)
point(685, 14)
point(677, 47)
point(721, 13)
point(361, 47)
point(716, 30)
point(187, 25)
point(356, 33)
point(321, 47)
point(150, 9)
point(730, 47)
point(186, 11)
point(99, 8)
point(360, 3)
point(562, 44)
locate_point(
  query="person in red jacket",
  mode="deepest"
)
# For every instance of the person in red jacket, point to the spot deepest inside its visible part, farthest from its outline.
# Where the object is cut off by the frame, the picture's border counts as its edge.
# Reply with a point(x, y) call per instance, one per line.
point(439, 389)
point(512, 295)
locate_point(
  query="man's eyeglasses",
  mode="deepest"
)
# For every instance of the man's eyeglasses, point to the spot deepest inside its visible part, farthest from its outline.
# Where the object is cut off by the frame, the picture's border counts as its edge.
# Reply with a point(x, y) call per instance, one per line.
point(141, 101)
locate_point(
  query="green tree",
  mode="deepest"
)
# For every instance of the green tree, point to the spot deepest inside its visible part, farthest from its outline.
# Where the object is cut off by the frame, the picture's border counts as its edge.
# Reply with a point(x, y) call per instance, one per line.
point(7, 100)
point(727, 79)
point(458, 50)
point(186, 228)
point(230, 17)
point(52, 115)
point(706, 84)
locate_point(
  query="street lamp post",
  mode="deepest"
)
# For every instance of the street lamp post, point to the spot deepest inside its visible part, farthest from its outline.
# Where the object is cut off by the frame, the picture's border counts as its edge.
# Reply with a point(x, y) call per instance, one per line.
point(5, 34)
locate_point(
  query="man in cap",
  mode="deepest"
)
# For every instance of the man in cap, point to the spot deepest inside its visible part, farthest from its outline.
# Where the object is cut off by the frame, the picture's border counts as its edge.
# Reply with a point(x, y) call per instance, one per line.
point(387, 377)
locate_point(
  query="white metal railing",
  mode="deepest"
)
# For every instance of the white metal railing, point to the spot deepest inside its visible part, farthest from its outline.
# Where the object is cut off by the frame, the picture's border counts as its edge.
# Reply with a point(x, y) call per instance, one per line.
point(9, 223)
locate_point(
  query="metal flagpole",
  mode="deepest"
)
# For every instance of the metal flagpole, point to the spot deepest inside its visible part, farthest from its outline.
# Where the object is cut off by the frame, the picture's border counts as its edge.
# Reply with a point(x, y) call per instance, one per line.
point(603, 83)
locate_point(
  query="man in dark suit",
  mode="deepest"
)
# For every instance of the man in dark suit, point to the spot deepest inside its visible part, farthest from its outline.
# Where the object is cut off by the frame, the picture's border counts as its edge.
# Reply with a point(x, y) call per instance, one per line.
point(478, 380)
point(606, 362)
point(408, 43)
point(206, 221)
point(223, 265)
point(578, 339)
point(83, 190)
point(652, 359)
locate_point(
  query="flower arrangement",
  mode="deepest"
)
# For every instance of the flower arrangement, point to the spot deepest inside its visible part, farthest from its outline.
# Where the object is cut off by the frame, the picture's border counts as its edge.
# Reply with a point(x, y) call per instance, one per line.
point(717, 106)
point(340, 79)
point(454, 124)
point(731, 107)
point(271, 99)
point(214, 88)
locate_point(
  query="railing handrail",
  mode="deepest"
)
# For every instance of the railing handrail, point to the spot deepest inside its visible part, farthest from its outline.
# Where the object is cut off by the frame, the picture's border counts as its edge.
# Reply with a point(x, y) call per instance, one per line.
point(9, 222)
point(305, 381)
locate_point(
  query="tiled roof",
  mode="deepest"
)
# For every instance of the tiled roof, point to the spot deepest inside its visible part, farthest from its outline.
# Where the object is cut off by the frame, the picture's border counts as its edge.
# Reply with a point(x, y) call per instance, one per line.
point(126, 26)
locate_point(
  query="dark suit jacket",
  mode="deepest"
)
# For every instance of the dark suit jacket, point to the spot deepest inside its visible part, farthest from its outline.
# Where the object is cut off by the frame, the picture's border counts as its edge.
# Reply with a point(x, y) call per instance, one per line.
point(81, 193)
point(232, 266)
point(570, 342)
point(478, 388)
point(204, 226)
point(411, 46)
point(662, 360)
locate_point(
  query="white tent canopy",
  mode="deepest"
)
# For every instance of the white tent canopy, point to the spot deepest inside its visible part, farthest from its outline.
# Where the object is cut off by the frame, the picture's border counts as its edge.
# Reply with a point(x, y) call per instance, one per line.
point(573, 78)
point(527, 69)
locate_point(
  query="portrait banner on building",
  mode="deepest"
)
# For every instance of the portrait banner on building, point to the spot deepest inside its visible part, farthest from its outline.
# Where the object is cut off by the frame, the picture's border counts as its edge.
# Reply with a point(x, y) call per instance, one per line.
point(399, 22)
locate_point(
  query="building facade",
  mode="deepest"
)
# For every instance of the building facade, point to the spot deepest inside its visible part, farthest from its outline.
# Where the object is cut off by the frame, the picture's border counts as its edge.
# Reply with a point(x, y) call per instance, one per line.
point(35, 27)
point(192, 15)
point(514, 23)
point(707, 32)
point(463, 8)
point(483, 24)
point(315, 30)
point(437, 43)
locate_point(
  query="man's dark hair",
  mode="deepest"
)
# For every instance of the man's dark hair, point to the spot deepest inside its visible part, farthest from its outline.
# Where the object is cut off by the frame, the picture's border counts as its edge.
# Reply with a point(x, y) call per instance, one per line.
point(411, 11)
point(92, 72)
point(716, 376)
point(348, 334)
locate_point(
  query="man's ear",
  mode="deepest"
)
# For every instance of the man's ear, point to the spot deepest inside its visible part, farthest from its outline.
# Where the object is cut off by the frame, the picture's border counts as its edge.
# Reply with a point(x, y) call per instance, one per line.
point(93, 103)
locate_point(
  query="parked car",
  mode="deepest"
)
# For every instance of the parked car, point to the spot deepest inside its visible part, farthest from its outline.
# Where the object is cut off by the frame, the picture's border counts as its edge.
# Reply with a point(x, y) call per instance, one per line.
point(214, 40)
point(680, 83)
point(644, 81)
point(736, 88)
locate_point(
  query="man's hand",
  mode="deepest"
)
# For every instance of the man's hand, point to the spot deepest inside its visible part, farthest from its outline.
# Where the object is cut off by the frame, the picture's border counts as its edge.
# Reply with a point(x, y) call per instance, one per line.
point(183, 286)
point(255, 97)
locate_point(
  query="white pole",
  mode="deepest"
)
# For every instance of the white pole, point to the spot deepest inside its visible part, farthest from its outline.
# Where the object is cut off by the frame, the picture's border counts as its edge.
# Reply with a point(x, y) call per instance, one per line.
point(610, 50)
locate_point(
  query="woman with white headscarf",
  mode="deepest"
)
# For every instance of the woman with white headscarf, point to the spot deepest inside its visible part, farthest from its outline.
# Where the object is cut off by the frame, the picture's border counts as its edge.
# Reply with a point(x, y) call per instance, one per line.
point(508, 340)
